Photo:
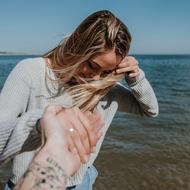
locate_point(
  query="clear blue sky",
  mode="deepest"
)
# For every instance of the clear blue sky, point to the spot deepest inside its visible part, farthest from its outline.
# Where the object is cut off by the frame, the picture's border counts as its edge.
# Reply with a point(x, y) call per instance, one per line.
point(35, 26)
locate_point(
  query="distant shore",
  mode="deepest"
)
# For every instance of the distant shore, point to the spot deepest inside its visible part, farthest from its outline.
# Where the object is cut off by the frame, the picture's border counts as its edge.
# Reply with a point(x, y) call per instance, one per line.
point(8, 53)
point(15, 54)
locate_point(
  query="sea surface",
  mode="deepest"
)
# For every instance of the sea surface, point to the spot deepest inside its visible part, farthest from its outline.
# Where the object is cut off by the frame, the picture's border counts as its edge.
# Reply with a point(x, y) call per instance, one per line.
point(144, 153)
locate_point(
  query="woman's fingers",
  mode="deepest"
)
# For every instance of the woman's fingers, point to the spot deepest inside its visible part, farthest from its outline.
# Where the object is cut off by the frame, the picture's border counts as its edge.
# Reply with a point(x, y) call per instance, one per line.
point(134, 74)
point(92, 123)
point(87, 125)
point(71, 144)
point(129, 66)
point(127, 69)
point(69, 120)
point(80, 148)
point(83, 134)
point(82, 131)
point(96, 121)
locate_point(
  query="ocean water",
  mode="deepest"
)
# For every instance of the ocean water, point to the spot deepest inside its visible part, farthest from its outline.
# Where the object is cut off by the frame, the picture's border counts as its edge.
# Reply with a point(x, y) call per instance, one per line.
point(144, 153)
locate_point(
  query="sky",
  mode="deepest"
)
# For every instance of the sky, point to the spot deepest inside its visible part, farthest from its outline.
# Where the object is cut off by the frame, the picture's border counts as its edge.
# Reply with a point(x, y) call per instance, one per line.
point(34, 27)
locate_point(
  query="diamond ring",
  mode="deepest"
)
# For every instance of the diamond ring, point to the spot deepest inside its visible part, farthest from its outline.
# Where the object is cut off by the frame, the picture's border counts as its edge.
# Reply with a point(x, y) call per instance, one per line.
point(71, 130)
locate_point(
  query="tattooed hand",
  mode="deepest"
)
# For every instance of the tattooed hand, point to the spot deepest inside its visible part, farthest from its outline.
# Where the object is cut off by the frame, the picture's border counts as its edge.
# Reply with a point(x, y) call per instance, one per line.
point(54, 162)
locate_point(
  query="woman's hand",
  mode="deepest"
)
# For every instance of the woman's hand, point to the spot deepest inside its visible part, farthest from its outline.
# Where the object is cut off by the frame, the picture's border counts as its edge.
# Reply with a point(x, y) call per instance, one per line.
point(129, 66)
point(82, 130)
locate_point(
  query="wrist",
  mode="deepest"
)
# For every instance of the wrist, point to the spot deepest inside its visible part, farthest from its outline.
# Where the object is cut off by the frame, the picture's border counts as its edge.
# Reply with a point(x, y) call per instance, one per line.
point(55, 143)
point(44, 165)
point(133, 81)
point(58, 152)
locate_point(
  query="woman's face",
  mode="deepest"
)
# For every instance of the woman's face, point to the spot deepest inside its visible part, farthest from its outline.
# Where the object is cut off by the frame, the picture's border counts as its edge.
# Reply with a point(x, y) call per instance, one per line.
point(99, 65)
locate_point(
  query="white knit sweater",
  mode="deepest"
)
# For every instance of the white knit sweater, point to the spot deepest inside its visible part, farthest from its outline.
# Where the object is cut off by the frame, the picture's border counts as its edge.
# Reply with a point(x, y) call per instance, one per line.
point(24, 97)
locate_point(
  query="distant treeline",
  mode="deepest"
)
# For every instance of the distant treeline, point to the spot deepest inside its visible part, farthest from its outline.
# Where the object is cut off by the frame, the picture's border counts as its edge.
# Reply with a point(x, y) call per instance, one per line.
point(3, 52)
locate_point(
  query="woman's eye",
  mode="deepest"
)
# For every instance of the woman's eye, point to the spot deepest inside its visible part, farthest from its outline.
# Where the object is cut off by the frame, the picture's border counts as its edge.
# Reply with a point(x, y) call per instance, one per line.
point(90, 64)
point(105, 73)
point(93, 66)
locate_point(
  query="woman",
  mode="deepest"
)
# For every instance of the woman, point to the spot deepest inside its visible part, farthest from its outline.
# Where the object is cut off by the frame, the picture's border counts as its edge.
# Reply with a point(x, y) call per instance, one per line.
point(83, 72)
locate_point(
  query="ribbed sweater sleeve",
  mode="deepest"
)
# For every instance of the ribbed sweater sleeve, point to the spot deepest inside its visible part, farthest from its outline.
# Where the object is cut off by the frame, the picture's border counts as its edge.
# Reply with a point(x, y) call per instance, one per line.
point(14, 99)
point(19, 135)
point(16, 92)
point(5, 133)
point(136, 98)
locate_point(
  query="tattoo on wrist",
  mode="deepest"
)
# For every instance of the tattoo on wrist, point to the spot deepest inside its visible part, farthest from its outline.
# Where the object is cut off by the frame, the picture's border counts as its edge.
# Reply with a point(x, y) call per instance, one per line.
point(49, 176)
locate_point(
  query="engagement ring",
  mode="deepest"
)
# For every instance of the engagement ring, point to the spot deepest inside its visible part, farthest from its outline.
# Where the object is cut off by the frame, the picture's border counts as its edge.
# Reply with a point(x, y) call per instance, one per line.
point(71, 130)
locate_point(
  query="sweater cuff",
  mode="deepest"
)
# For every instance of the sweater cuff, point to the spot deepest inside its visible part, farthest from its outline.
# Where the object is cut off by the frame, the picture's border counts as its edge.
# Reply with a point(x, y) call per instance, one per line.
point(133, 82)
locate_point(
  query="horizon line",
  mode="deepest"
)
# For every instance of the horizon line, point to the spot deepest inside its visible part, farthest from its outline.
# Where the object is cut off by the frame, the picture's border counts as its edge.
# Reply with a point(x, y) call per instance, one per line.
point(33, 54)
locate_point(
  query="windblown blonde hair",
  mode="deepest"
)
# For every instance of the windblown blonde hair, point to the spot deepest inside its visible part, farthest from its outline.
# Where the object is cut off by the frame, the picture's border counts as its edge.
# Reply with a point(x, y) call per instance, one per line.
point(100, 32)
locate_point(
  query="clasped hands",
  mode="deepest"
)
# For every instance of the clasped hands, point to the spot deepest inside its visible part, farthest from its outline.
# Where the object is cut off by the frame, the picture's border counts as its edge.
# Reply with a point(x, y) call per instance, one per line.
point(71, 134)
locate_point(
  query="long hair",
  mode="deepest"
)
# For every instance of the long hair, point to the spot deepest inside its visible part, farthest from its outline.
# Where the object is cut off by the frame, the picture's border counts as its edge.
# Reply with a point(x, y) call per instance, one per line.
point(100, 32)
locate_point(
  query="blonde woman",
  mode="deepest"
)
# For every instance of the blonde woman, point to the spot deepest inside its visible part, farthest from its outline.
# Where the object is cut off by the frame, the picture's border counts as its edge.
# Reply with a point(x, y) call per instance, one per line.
point(81, 74)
